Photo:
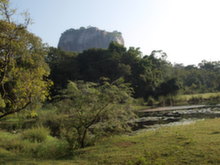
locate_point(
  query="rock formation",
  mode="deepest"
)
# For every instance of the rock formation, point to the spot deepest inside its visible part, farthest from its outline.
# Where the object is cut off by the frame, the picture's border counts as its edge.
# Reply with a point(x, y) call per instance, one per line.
point(81, 39)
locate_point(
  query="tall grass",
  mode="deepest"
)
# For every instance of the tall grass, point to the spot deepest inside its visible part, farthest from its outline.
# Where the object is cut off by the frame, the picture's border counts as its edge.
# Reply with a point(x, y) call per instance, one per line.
point(191, 99)
point(31, 144)
point(205, 98)
point(38, 134)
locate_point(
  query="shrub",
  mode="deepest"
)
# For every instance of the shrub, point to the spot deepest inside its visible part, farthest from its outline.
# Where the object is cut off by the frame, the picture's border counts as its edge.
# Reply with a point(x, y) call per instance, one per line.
point(150, 101)
point(24, 144)
point(52, 148)
point(14, 144)
point(49, 118)
point(195, 100)
point(38, 134)
point(139, 101)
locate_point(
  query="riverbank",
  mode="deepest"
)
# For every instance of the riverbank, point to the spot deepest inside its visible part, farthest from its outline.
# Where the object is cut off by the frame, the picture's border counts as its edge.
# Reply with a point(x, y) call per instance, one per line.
point(156, 117)
point(196, 143)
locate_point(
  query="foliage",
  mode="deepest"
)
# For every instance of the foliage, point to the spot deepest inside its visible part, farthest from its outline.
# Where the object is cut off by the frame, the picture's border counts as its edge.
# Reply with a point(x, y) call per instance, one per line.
point(169, 87)
point(38, 134)
point(52, 120)
point(90, 108)
point(198, 79)
point(63, 68)
point(150, 101)
point(16, 147)
point(150, 75)
point(144, 74)
point(23, 70)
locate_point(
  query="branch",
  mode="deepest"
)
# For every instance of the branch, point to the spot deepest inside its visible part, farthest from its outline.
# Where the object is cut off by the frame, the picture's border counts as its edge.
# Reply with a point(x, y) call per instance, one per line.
point(15, 111)
point(96, 116)
point(6, 13)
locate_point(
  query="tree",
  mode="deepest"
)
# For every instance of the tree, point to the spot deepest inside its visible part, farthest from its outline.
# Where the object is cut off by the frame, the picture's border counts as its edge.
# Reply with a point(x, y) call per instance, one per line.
point(23, 71)
point(169, 87)
point(91, 108)
point(149, 72)
point(63, 67)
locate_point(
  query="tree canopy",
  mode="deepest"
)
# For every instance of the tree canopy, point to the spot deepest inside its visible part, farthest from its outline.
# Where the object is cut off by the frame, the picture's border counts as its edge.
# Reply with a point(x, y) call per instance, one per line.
point(92, 108)
point(23, 71)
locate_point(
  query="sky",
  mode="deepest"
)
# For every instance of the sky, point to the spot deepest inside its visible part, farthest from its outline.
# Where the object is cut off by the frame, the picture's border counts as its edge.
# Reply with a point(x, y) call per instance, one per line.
point(187, 30)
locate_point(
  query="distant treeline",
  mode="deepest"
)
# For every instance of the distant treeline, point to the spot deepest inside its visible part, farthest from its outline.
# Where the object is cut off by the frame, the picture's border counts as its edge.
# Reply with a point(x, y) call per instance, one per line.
point(149, 76)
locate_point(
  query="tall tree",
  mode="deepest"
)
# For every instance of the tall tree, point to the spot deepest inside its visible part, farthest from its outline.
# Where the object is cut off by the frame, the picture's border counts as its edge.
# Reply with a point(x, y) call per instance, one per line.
point(23, 71)
point(63, 68)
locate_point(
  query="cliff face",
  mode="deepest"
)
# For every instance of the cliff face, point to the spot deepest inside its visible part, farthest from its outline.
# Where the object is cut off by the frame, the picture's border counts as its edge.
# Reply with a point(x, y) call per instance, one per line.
point(81, 39)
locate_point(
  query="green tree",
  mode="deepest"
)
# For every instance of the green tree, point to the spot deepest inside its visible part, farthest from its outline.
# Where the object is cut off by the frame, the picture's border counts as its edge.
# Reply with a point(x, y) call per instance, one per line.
point(23, 71)
point(91, 108)
point(63, 67)
point(149, 72)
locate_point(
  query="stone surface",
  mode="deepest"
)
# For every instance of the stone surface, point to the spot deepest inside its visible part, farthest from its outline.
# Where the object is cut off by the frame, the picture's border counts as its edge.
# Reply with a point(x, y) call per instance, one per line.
point(81, 39)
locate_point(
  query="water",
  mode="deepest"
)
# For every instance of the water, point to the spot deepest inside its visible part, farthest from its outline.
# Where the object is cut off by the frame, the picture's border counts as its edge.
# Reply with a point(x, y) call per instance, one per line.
point(155, 118)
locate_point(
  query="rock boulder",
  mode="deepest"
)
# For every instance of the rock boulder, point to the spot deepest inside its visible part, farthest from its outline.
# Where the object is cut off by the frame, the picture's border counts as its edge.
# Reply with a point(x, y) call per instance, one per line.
point(77, 40)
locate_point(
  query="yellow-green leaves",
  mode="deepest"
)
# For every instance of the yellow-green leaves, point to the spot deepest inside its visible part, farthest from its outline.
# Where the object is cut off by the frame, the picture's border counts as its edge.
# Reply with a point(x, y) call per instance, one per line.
point(2, 102)
point(23, 70)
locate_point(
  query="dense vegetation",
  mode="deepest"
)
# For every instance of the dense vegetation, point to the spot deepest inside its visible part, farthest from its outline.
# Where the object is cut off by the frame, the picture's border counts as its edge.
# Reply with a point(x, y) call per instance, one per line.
point(23, 71)
point(150, 76)
point(54, 103)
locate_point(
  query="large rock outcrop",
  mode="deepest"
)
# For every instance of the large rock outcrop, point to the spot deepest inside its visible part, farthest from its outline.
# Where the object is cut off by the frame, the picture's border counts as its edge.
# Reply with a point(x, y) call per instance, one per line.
point(81, 39)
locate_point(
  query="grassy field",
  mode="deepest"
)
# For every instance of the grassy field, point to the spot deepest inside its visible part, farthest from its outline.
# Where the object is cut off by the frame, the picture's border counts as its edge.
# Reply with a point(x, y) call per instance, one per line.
point(180, 99)
point(203, 98)
point(194, 144)
point(201, 95)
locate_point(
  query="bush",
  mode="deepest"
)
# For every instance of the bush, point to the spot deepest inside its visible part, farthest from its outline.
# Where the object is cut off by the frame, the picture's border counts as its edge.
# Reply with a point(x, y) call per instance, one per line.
point(195, 100)
point(52, 148)
point(168, 100)
point(48, 117)
point(150, 101)
point(38, 134)
point(139, 101)
point(13, 143)
point(24, 145)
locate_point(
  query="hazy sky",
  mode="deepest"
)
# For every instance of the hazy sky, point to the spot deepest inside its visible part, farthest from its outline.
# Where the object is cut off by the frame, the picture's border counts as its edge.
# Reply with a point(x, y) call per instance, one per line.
point(187, 30)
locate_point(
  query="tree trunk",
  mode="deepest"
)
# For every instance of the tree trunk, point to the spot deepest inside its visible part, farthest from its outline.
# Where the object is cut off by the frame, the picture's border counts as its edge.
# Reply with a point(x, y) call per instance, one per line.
point(82, 140)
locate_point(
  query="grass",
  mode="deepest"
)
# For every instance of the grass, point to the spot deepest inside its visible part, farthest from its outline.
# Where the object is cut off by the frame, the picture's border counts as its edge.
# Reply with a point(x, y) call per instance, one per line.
point(15, 149)
point(201, 95)
point(190, 99)
point(186, 99)
point(197, 143)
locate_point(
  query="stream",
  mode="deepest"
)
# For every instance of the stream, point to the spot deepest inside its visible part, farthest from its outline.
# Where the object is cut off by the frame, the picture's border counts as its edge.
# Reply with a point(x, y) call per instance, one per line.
point(164, 116)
